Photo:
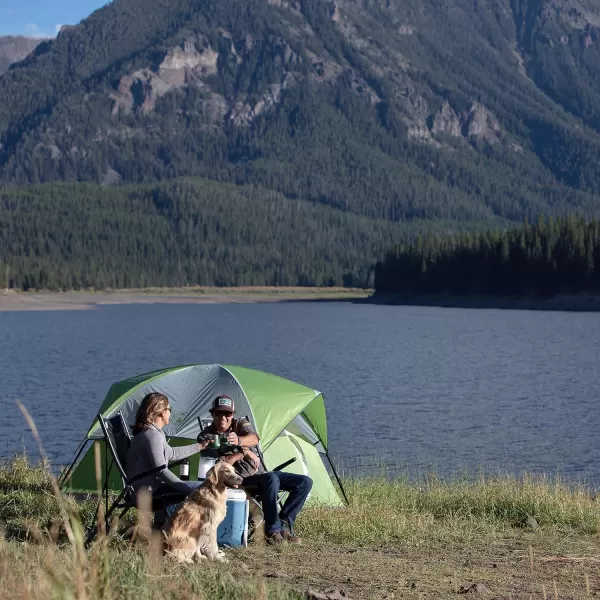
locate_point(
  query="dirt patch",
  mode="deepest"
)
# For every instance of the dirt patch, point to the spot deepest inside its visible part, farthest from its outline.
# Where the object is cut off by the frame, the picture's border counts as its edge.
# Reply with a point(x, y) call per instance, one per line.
point(499, 570)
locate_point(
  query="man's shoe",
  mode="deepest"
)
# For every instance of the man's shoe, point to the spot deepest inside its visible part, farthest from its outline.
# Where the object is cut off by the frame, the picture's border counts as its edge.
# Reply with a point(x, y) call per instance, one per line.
point(289, 537)
point(274, 538)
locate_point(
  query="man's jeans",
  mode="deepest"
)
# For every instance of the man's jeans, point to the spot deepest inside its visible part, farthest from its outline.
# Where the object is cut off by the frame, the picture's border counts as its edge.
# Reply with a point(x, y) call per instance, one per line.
point(268, 485)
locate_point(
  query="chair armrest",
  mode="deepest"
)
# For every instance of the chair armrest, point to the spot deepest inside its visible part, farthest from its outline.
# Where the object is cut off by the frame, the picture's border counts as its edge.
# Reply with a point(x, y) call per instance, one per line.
point(285, 464)
point(155, 470)
point(143, 474)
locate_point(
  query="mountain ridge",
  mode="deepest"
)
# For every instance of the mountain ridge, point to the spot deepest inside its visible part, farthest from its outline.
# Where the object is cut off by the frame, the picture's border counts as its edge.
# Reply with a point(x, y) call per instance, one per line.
point(446, 110)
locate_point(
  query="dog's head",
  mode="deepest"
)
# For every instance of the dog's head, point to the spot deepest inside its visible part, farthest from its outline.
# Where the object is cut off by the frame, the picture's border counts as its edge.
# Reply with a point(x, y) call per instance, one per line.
point(223, 474)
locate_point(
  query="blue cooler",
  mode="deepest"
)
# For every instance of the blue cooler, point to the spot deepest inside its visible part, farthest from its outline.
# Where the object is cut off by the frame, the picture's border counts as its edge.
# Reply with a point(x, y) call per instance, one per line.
point(233, 531)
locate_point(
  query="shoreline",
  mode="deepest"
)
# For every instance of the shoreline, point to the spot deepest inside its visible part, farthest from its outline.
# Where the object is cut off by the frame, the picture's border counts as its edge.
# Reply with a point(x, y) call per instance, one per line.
point(12, 300)
point(560, 302)
point(18, 301)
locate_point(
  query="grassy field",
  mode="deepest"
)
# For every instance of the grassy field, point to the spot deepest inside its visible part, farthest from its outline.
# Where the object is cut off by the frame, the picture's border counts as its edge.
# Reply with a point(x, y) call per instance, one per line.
point(528, 537)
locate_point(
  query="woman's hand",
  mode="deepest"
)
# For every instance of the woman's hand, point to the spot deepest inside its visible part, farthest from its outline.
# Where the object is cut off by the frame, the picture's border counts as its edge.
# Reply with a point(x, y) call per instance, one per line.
point(202, 445)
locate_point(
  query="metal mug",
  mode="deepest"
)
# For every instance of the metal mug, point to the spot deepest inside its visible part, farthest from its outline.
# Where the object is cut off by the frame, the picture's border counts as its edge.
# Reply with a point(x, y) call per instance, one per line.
point(214, 441)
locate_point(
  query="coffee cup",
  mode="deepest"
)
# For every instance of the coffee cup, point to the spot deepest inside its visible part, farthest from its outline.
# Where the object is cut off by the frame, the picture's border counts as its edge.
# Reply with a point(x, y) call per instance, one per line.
point(214, 441)
point(223, 440)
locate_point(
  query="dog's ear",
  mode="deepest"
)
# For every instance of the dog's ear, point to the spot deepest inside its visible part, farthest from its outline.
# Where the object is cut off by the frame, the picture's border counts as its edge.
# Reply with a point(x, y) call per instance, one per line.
point(213, 475)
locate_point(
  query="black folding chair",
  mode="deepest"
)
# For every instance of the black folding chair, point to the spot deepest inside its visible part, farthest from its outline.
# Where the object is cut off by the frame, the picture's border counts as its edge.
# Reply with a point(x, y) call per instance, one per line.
point(118, 441)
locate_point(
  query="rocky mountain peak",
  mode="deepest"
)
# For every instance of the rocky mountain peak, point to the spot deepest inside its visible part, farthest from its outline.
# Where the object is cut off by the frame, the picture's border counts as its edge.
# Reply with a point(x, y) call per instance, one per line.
point(340, 102)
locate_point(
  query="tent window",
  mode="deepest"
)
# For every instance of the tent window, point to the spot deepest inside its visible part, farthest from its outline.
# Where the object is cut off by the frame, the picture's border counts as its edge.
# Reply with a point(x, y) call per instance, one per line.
point(302, 428)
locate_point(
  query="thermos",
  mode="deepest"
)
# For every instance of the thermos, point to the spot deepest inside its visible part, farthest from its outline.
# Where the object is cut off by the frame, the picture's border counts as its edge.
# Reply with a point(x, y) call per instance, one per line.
point(184, 470)
point(204, 466)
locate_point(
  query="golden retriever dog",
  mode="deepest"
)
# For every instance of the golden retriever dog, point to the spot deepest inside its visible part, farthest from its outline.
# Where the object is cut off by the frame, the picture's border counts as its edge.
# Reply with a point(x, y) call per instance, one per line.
point(190, 534)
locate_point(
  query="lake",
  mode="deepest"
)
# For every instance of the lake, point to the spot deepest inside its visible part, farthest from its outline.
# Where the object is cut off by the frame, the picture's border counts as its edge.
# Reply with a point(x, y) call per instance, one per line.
point(419, 389)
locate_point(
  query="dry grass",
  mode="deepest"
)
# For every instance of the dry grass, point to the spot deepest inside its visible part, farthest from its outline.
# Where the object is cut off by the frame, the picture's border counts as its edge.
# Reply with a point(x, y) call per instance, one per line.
point(397, 539)
point(434, 512)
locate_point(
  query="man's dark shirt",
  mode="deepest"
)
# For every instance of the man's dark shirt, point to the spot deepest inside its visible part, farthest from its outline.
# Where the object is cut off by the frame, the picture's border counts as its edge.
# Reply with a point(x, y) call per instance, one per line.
point(243, 467)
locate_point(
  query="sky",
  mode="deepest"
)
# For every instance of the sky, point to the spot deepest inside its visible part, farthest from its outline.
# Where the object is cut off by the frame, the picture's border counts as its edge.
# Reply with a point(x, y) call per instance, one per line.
point(43, 18)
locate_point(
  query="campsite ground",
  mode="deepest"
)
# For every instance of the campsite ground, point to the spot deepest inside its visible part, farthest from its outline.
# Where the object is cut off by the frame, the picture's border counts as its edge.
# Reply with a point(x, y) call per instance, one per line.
point(491, 538)
point(87, 299)
point(501, 568)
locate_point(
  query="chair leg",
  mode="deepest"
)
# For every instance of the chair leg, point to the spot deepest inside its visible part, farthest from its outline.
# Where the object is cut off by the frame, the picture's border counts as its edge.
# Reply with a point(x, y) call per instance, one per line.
point(256, 517)
point(91, 534)
point(112, 509)
point(92, 530)
point(119, 517)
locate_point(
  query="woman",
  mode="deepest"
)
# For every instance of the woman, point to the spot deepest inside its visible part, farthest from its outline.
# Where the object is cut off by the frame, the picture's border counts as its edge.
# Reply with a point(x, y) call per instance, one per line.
point(149, 450)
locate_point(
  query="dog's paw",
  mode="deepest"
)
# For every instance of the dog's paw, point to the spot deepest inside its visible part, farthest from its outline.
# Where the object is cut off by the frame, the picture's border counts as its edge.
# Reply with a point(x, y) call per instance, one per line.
point(220, 556)
point(179, 557)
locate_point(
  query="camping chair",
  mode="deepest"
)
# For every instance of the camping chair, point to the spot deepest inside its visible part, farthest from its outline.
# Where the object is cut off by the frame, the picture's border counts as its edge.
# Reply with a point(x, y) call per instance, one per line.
point(118, 440)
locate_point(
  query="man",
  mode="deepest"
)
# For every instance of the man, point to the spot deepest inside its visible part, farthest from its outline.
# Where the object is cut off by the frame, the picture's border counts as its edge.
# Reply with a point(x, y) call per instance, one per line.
point(242, 453)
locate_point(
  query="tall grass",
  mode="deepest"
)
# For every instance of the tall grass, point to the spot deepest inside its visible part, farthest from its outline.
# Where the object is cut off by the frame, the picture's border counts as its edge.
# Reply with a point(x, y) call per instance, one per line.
point(28, 500)
point(434, 511)
point(42, 553)
point(34, 571)
point(50, 564)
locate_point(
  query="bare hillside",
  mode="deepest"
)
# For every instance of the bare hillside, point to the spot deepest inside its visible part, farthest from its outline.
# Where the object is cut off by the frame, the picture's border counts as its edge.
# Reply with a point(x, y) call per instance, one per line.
point(15, 48)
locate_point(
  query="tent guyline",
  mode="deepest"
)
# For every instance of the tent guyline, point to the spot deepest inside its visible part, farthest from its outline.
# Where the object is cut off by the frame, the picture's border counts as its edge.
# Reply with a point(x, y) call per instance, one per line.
point(289, 418)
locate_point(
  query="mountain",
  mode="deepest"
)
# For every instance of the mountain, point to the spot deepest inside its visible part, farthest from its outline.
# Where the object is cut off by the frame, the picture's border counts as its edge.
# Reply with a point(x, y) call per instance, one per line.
point(15, 48)
point(459, 109)
point(464, 113)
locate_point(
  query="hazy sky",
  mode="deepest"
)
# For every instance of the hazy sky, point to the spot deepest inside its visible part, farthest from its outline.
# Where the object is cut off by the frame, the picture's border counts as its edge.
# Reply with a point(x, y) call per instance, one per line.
point(40, 18)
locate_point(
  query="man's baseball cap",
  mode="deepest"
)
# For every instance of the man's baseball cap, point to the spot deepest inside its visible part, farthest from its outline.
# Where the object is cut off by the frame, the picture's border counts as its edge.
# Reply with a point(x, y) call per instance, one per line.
point(223, 403)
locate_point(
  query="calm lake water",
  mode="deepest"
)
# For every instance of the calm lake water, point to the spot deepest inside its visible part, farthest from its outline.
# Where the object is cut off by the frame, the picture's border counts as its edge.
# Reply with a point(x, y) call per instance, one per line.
point(419, 389)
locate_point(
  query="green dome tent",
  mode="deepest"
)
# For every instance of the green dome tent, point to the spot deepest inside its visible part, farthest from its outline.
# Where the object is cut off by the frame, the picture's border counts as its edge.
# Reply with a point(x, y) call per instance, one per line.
point(288, 417)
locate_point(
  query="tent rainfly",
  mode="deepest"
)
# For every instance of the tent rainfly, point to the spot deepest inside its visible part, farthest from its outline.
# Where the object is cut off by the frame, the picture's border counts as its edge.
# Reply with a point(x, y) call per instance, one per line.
point(288, 417)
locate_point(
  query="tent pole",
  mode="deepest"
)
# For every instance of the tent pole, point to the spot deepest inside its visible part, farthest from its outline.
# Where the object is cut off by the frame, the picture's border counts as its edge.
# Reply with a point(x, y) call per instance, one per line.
point(337, 477)
point(106, 486)
point(261, 456)
point(65, 474)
